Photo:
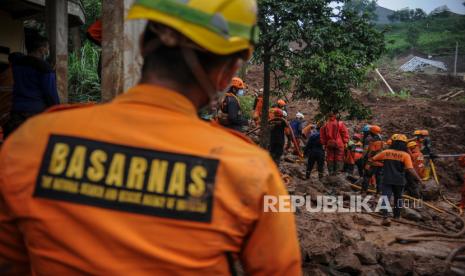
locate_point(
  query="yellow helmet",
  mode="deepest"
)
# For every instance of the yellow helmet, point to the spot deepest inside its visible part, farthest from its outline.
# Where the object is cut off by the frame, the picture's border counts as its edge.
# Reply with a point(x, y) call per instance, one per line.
point(425, 132)
point(399, 137)
point(417, 132)
point(412, 144)
point(222, 27)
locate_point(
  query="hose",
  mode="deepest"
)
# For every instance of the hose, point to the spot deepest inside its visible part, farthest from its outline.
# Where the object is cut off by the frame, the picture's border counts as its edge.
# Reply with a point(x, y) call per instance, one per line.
point(454, 256)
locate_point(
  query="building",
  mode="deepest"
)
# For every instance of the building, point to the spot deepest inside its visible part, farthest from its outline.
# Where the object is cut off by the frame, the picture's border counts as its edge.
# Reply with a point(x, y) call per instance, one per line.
point(59, 17)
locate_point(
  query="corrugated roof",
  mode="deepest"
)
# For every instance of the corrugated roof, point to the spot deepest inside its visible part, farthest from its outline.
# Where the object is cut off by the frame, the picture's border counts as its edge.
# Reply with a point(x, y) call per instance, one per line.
point(417, 63)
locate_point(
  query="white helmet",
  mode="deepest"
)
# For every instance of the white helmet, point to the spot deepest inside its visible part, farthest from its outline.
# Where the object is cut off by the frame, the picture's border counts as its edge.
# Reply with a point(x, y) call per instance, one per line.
point(299, 115)
point(284, 113)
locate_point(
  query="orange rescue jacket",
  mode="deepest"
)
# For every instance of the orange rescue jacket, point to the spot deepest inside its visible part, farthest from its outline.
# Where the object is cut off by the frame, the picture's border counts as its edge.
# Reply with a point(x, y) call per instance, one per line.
point(139, 186)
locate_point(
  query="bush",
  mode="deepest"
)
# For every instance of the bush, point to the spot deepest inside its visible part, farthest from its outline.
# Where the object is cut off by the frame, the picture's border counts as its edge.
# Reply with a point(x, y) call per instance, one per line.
point(247, 106)
point(83, 82)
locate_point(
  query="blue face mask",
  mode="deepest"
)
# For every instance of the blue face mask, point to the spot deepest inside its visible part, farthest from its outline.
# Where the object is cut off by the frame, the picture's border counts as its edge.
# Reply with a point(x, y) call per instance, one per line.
point(240, 92)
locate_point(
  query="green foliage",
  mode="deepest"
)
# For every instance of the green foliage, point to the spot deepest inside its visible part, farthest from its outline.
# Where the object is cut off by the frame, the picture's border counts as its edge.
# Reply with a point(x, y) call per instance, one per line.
point(407, 15)
point(413, 34)
point(93, 11)
point(403, 94)
point(336, 48)
point(83, 82)
point(247, 106)
point(437, 35)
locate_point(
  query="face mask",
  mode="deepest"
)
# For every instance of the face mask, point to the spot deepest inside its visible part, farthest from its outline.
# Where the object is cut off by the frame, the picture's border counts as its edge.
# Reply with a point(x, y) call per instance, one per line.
point(240, 92)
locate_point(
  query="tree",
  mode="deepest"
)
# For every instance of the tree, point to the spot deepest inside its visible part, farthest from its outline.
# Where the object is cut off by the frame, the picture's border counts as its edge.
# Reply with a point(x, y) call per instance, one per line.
point(407, 15)
point(413, 34)
point(339, 46)
point(441, 11)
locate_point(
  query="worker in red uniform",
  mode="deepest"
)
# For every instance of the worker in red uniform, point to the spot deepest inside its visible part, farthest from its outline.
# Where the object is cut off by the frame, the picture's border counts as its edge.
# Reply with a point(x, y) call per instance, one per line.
point(141, 185)
point(334, 136)
point(372, 167)
point(462, 202)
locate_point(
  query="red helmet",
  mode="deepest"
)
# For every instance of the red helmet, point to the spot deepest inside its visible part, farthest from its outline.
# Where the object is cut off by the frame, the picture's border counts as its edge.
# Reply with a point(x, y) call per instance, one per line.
point(237, 83)
point(357, 136)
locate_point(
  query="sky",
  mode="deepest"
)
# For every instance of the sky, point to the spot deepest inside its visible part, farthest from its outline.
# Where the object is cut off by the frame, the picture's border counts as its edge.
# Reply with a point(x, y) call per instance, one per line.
point(427, 5)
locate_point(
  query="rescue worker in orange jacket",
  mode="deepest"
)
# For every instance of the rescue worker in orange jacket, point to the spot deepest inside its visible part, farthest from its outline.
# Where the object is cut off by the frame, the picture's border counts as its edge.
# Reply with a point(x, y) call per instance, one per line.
point(353, 155)
point(372, 167)
point(411, 186)
point(397, 162)
point(231, 113)
point(141, 185)
point(417, 158)
point(257, 108)
point(334, 136)
point(462, 163)
point(278, 129)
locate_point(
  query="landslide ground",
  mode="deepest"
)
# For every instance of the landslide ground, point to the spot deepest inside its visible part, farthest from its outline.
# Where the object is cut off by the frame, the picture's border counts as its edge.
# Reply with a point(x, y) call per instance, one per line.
point(357, 244)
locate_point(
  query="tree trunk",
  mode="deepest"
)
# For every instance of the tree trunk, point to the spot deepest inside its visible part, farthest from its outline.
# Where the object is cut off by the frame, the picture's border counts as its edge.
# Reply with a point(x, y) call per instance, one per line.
point(265, 132)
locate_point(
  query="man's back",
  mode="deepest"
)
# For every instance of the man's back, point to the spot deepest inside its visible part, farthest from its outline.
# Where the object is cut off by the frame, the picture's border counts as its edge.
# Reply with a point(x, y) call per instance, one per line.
point(34, 85)
point(139, 186)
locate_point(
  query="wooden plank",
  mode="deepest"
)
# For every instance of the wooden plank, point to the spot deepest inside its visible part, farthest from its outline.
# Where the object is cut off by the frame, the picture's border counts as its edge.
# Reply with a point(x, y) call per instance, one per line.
point(112, 49)
point(57, 29)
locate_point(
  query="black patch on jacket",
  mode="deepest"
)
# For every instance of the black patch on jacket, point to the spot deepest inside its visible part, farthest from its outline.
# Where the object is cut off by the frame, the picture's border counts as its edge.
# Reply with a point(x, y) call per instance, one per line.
point(128, 179)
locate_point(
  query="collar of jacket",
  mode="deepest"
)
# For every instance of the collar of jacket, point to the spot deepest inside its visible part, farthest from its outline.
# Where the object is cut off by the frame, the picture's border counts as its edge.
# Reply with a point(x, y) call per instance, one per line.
point(149, 94)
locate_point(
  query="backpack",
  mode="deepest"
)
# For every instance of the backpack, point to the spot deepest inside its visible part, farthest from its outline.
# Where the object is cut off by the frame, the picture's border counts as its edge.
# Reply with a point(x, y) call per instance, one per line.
point(223, 117)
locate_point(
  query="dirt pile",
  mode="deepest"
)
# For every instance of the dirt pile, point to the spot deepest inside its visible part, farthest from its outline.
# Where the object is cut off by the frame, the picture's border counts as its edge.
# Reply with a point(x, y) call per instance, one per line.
point(357, 243)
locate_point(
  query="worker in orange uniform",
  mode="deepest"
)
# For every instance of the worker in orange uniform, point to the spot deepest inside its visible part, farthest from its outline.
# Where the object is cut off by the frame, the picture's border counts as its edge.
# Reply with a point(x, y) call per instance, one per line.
point(396, 162)
point(411, 186)
point(372, 167)
point(462, 202)
point(353, 155)
point(231, 112)
point(94, 34)
point(334, 136)
point(146, 187)
point(425, 145)
point(278, 130)
point(257, 108)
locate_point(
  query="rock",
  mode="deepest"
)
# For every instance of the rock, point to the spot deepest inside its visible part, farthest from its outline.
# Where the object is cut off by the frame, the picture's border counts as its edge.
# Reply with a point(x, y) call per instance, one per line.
point(372, 270)
point(367, 253)
point(430, 266)
point(397, 263)
point(319, 241)
point(362, 220)
point(430, 190)
point(411, 214)
point(312, 270)
point(347, 262)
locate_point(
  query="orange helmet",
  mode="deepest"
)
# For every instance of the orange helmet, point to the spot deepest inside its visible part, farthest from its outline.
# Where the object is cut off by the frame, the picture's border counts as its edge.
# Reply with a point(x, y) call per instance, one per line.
point(424, 132)
point(237, 83)
point(417, 132)
point(412, 144)
point(375, 129)
point(281, 103)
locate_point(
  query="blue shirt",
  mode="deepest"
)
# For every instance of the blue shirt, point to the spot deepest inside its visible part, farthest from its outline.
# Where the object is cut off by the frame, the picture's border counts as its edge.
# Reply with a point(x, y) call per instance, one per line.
point(296, 126)
point(34, 88)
